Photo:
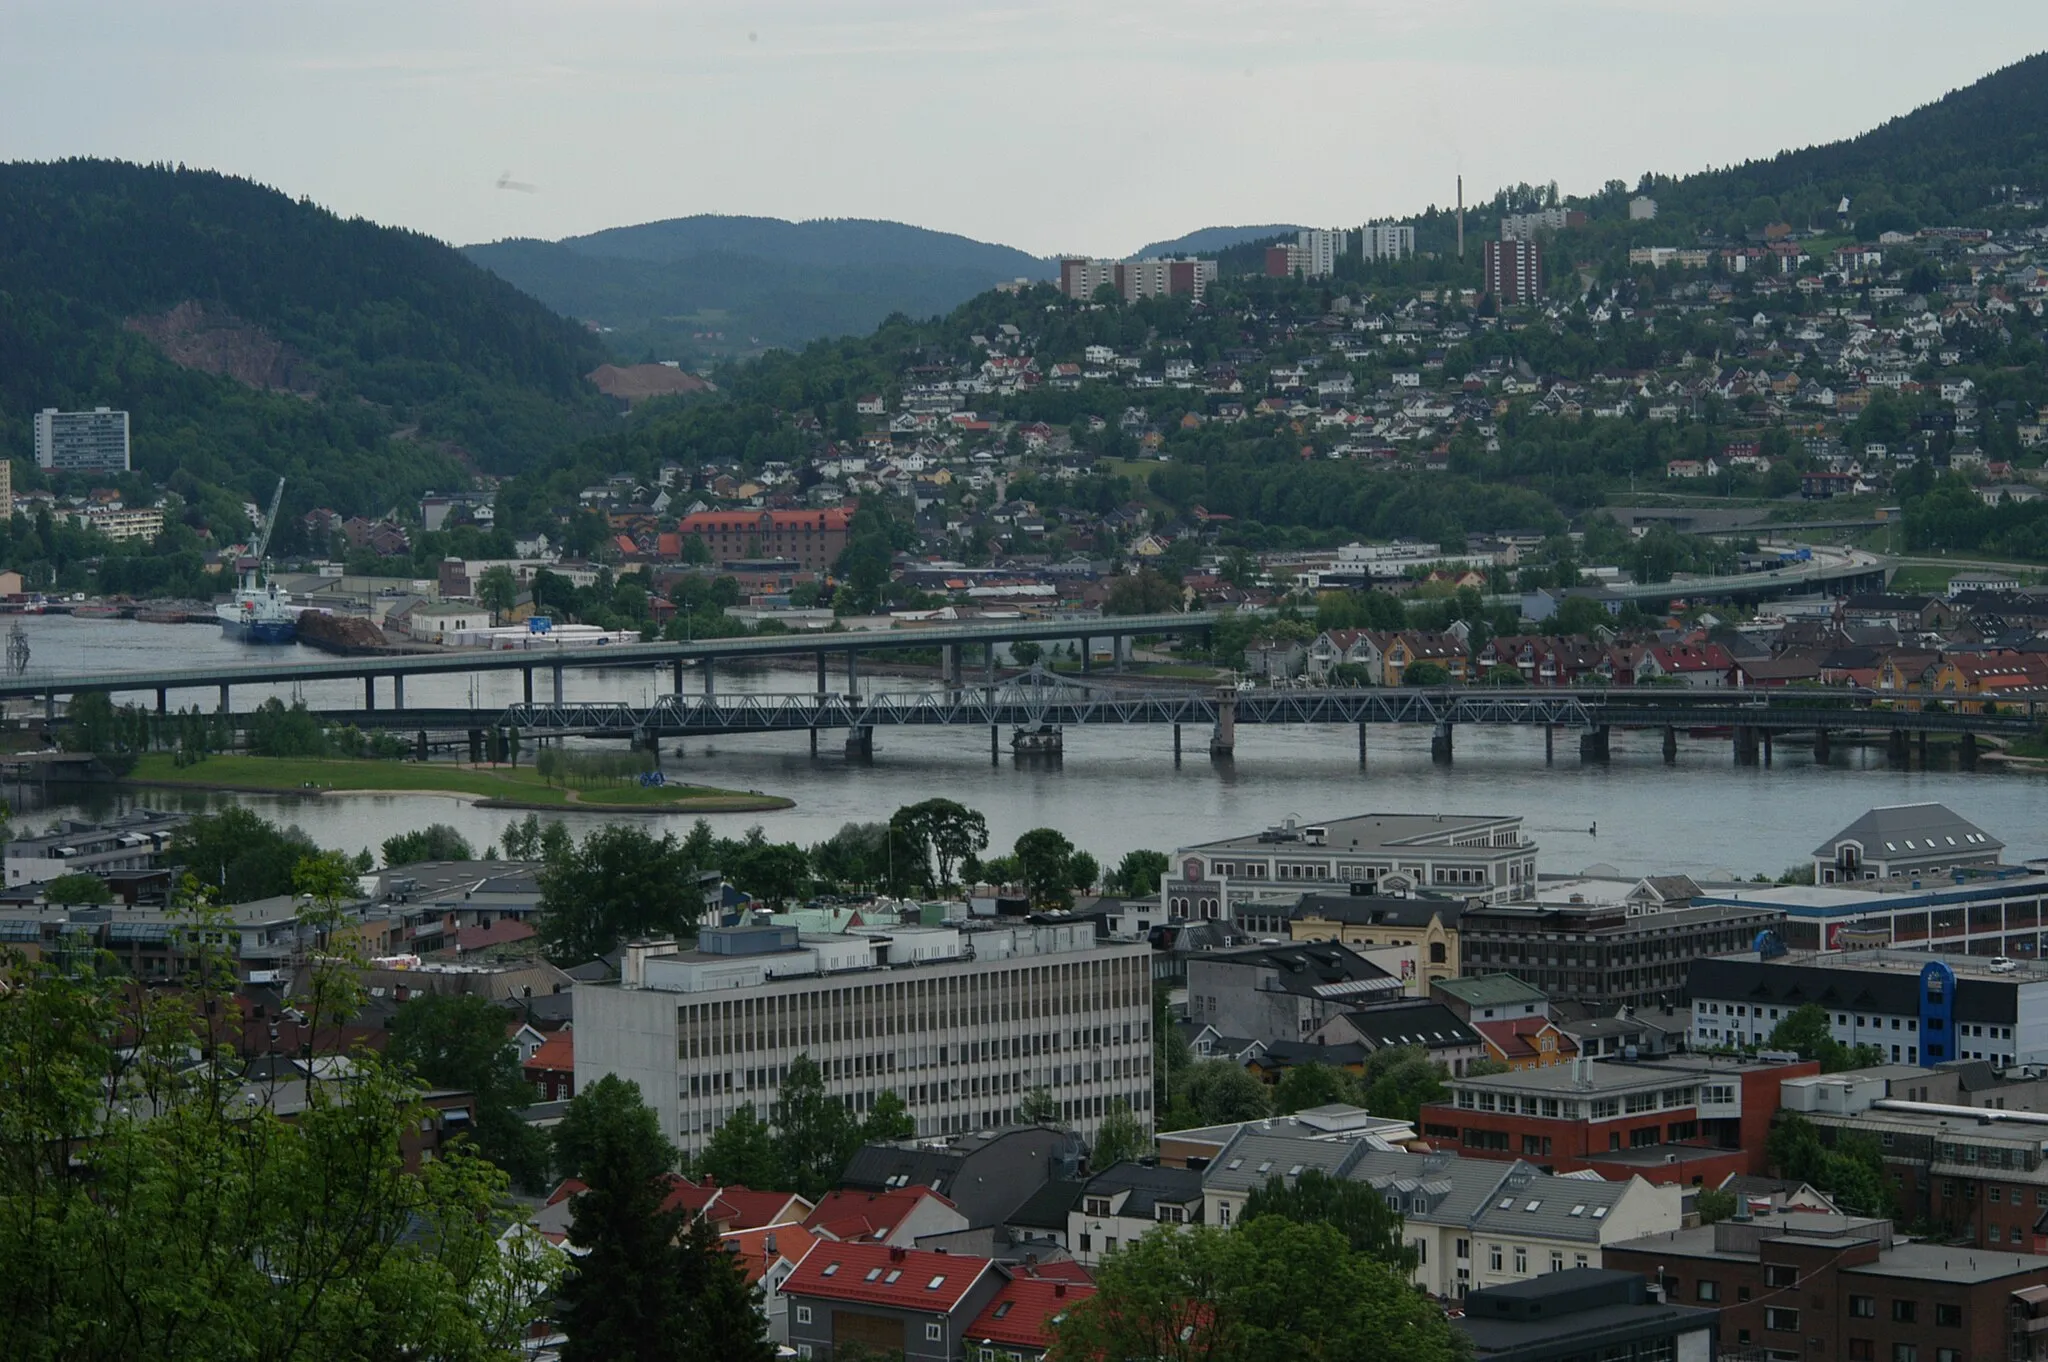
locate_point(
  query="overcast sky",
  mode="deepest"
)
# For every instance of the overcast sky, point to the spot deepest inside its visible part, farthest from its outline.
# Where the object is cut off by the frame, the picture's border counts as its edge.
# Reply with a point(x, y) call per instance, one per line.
point(1070, 125)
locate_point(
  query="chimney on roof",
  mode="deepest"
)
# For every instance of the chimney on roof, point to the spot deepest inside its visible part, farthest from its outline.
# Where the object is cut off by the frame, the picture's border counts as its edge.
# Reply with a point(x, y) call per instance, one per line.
point(768, 1245)
point(1059, 1289)
point(895, 1253)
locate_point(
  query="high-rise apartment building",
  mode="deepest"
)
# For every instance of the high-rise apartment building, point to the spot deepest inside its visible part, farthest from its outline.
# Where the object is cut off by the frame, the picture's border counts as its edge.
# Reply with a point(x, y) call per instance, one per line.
point(1134, 279)
point(958, 1022)
point(1514, 272)
point(1387, 241)
point(1312, 256)
point(1525, 226)
point(95, 440)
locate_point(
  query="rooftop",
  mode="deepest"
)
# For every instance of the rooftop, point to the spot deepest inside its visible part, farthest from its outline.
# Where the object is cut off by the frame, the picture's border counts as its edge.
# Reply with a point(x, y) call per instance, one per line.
point(1490, 990)
point(1913, 830)
point(1368, 830)
point(1616, 1076)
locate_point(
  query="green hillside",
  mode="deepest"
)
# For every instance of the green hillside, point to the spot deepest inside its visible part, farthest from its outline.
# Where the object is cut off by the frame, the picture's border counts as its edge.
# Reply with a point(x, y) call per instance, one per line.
point(251, 335)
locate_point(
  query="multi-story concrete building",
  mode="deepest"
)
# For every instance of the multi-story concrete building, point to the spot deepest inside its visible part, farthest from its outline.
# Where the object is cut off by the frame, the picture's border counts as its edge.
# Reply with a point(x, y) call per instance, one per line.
point(1525, 226)
point(1606, 955)
point(1807, 1285)
point(93, 441)
point(1312, 256)
point(124, 522)
point(1583, 1313)
point(959, 1023)
point(1387, 241)
point(1905, 841)
point(1282, 993)
point(1483, 858)
point(1081, 276)
point(1915, 1007)
point(1513, 272)
point(1987, 913)
point(1684, 1119)
point(1156, 277)
point(1423, 930)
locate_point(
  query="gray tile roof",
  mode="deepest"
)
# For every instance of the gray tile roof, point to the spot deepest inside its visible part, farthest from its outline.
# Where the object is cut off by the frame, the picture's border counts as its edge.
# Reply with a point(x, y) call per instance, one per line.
point(1485, 1195)
point(1149, 1186)
point(1255, 1155)
point(1884, 833)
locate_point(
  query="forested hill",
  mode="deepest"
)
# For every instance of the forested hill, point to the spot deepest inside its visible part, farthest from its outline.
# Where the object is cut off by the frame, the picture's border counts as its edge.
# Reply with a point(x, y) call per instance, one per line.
point(251, 335)
point(717, 286)
point(1943, 163)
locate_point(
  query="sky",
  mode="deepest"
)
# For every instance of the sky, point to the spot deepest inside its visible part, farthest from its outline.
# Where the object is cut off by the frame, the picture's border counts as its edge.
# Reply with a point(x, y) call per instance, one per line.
point(1089, 126)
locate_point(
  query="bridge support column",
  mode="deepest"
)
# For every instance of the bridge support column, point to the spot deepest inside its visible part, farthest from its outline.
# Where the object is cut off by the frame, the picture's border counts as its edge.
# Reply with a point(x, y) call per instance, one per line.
point(1923, 749)
point(852, 674)
point(1176, 744)
point(1821, 752)
point(1745, 746)
point(476, 747)
point(677, 672)
point(1440, 744)
point(224, 706)
point(1593, 745)
point(163, 701)
point(369, 694)
point(50, 717)
point(529, 684)
point(1361, 745)
point(860, 742)
point(1223, 741)
point(1087, 655)
point(1549, 743)
point(995, 749)
point(1897, 748)
point(1670, 745)
point(421, 744)
point(814, 740)
point(1767, 747)
point(1967, 754)
point(710, 681)
point(558, 683)
point(398, 691)
point(950, 665)
point(821, 674)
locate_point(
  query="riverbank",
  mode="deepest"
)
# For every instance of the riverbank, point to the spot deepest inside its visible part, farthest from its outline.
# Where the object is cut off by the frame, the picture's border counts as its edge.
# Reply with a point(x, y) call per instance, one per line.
point(491, 787)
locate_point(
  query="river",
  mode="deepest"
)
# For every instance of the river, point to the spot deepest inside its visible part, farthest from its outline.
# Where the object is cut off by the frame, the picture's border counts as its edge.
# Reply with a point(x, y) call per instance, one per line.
point(1117, 788)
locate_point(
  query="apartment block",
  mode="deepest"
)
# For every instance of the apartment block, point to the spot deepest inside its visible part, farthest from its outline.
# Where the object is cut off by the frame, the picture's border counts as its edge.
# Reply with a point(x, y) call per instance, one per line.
point(811, 539)
point(93, 441)
point(1513, 272)
point(958, 1022)
point(1807, 1285)
point(1312, 256)
point(1604, 955)
point(1157, 277)
point(1386, 241)
point(1525, 226)
point(1684, 1119)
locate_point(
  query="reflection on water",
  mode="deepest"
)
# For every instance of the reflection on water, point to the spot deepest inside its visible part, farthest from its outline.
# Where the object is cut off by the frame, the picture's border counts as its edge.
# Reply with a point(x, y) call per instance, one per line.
point(1118, 788)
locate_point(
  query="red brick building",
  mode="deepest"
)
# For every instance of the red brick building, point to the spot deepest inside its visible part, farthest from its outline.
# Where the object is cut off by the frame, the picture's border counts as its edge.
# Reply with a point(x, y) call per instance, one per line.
point(813, 539)
point(1843, 1288)
point(1514, 272)
point(1679, 1119)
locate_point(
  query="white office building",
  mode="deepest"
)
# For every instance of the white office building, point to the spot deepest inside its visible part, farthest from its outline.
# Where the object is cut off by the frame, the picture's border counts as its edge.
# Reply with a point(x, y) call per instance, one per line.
point(83, 441)
point(1387, 241)
point(1319, 251)
point(960, 1022)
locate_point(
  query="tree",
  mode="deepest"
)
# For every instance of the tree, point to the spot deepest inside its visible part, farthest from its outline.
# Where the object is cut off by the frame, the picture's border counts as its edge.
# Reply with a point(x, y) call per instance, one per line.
point(648, 1286)
point(1025, 653)
point(239, 855)
point(741, 1153)
point(815, 1135)
point(1144, 593)
point(1039, 1108)
point(458, 1040)
point(1312, 1085)
point(1082, 871)
point(434, 842)
point(620, 882)
point(1137, 874)
point(1119, 1138)
point(1399, 1079)
point(1267, 1291)
point(889, 1119)
point(1357, 1210)
point(1714, 1204)
point(774, 872)
point(498, 589)
point(1172, 1057)
point(1425, 674)
point(1215, 1092)
point(1043, 863)
point(1805, 1030)
point(79, 887)
point(1852, 1174)
point(941, 832)
point(532, 840)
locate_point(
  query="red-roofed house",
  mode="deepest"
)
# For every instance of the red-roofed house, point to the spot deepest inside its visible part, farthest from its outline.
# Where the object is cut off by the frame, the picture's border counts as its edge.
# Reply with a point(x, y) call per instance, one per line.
point(918, 1303)
point(1018, 1323)
point(900, 1217)
point(768, 1255)
point(1700, 665)
point(726, 1208)
point(552, 1068)
point(504, 932)
point(1526, 1042)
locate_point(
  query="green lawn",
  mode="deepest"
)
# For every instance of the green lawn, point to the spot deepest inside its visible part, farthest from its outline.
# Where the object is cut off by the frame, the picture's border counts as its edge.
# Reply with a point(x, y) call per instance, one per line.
point(1913, 577)
point(290, 775)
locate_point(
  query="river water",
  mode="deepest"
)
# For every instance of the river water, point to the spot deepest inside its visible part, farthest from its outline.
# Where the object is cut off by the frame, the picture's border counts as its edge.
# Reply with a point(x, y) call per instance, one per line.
point(1118, 788)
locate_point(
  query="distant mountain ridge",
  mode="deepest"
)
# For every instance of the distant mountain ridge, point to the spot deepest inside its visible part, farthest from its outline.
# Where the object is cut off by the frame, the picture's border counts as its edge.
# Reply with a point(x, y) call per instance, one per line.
point(1210, 240)
point(832, 242)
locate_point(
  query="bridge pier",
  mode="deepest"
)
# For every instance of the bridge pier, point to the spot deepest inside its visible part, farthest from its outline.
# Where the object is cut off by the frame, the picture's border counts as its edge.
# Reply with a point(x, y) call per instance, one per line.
point(558, 683)
point(421, 744)
point(1593, 745)
point(224, 706)
point(1898, 749)
point(163, 701)
point(1923, 749)
point(529, 684)
point(1361, 746)
point(1670, 745)
point(1820, 746)
point(1745, 746)
point(1176, 743)
point(677, 667)
point(369, 694)
point(1223, 741)
point(398, 693)
point(1087, 655)
point(1767, 747)
point(814, 740)
point(1440, 744)
point(1549, 742)
point(1967, 754)
point(995, 751)
point(860, 742)
point(852, 674)
point(821, 673)
point(476, 747)
point(710, 681)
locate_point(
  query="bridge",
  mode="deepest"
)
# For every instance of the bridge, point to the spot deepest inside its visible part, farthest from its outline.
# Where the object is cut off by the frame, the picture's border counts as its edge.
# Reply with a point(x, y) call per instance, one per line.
point(1042, 704)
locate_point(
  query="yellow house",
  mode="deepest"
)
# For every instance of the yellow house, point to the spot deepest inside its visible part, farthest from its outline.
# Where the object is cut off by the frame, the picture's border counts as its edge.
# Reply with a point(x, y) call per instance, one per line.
point(1369, 921)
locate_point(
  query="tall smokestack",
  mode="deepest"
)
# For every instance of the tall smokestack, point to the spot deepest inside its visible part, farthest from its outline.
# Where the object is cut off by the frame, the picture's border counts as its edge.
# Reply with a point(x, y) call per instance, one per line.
point(1461, 217)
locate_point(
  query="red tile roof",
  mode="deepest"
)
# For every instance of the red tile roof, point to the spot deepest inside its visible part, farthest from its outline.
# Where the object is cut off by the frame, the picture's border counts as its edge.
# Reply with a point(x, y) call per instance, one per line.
point(1022, 1313)
point(852, 1215)
point(503, 932)
point(744, 1208)
point(876, 1274)
point(556, 1055)
point(791, 1242)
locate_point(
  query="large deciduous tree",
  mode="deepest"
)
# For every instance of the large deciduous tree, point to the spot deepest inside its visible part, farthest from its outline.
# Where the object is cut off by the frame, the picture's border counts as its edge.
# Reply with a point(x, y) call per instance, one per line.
point(941, 833)
point(1356, 1209)
point(434, 842)
point(618, 883)
point(459, 1041)
point(1044, 863)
